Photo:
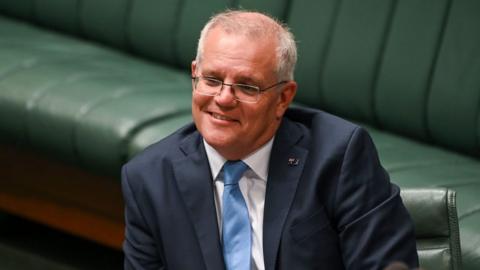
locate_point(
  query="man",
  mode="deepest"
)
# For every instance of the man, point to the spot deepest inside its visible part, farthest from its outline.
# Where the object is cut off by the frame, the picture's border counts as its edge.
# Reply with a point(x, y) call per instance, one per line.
point(255, 185)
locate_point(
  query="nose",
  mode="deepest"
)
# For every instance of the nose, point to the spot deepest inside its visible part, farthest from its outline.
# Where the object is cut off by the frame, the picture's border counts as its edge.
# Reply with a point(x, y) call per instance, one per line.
point(226, 96)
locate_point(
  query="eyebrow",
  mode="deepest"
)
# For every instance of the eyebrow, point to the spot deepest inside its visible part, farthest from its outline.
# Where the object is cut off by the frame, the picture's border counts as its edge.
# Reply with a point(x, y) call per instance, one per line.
point(237, 79)
point(247, 80)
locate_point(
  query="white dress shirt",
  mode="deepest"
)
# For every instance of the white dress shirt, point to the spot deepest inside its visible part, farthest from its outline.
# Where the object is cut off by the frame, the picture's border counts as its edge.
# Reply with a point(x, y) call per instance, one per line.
point(253, 186)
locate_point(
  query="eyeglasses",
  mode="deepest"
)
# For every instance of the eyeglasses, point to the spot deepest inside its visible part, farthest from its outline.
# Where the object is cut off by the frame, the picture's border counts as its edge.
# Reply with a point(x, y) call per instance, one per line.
point(208, 86)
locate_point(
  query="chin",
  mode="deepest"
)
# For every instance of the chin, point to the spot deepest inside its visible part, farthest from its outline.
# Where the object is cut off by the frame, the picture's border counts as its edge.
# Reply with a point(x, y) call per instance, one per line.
point(218, 141)
point(223, 144)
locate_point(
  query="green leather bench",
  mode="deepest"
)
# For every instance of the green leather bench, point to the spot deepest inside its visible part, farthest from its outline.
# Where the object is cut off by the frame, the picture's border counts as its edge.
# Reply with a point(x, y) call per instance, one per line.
point(85, 85)
point(434, 214)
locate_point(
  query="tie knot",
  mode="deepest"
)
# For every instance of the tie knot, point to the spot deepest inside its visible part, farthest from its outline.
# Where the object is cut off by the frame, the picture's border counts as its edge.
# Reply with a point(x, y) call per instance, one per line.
point(233, 171)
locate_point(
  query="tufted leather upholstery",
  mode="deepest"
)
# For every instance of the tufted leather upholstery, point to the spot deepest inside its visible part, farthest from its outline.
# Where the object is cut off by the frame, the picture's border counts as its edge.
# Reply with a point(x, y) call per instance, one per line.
point(434, 213)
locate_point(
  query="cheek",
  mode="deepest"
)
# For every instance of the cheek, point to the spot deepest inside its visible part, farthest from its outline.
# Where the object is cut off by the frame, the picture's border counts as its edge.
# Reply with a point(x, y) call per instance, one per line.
point(198, 102)
point(260, 118)
point(194, 106)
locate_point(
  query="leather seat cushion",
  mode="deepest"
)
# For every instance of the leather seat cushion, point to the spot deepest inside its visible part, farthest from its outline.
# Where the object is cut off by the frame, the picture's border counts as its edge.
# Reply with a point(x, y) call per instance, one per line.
point(80, 101)
point(413, 164)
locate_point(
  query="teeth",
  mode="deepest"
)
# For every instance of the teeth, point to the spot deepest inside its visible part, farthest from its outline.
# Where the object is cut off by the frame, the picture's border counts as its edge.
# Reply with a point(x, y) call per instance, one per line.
point(220, 117)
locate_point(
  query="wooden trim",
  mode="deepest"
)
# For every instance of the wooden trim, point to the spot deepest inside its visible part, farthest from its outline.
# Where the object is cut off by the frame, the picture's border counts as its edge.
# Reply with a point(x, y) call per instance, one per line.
point(61, 195)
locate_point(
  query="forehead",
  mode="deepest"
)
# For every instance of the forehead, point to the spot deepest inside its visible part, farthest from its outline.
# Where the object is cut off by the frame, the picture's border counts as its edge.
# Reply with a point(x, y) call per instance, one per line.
point(242, 55)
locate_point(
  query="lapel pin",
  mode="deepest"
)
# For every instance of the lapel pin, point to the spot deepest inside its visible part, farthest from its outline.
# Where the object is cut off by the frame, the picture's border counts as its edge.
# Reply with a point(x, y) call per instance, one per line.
point(293, 161)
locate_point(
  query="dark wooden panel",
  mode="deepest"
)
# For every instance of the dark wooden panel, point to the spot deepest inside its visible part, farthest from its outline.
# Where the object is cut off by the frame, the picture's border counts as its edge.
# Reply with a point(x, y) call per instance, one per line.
point(61, 196)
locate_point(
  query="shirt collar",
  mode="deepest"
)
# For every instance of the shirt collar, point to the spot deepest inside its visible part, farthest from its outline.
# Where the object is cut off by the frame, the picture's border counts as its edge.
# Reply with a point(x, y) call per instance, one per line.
point(257, 161)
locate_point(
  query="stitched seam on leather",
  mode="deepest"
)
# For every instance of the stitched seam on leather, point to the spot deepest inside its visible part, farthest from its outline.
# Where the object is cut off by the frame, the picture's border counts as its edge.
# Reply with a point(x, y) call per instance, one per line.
point(477, 150)
point(431, 75)
point(436, 247)
point(324, 54)
point(379, 61)
point(453, 229)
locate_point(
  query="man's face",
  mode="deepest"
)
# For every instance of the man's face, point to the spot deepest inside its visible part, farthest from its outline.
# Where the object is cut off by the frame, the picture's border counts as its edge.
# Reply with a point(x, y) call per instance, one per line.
point(235, 128)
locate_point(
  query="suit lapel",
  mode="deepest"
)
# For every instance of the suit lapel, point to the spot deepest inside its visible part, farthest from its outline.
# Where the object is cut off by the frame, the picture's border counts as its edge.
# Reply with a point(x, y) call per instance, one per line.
point(286, 166)
point(196, 186)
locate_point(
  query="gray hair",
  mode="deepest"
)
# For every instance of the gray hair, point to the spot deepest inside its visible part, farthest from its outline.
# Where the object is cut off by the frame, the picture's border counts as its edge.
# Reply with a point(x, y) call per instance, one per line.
point(265, 26)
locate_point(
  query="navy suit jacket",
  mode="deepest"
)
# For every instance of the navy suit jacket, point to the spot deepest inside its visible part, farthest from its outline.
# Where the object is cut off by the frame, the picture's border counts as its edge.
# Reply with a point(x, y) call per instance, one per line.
point(329, 204)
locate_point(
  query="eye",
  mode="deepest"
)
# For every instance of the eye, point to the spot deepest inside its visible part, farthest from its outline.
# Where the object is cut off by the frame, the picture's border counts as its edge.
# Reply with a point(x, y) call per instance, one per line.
point(211, 82)
point(247, 89)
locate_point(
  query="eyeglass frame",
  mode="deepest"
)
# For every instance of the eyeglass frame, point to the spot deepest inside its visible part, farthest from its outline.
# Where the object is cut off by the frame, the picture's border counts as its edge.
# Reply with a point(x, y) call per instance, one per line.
point(259, 90)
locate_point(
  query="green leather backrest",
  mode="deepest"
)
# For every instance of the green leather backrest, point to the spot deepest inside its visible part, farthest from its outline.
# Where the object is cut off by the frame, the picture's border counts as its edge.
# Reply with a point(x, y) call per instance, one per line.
point(194, 15)
point(17, 8)
point(340, 45)
point(453, 108)
point(434, 214)
point(277, 8)
point(405, 72)
point(410, 66)
point(312, 23)
point(58, 14)
point(407, 66)
point(351, 64)
point(152, 28)
point(105, 20)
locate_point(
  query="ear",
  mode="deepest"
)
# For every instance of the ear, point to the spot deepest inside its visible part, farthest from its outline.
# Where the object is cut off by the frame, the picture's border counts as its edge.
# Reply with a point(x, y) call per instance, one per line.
point(193, 71)
point(194, 68)
point(286, 97)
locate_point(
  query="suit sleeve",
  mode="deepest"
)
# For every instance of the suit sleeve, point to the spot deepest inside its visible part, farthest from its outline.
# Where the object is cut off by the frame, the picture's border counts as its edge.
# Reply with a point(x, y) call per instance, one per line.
point(374, 226)
point(139, 247)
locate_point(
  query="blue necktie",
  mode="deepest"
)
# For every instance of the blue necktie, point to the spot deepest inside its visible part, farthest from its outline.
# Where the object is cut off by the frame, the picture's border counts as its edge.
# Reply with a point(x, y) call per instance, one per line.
point(236, 230)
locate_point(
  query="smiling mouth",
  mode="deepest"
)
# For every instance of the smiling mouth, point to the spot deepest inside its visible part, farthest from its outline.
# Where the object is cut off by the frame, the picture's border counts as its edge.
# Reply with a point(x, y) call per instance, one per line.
point(221, 117)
